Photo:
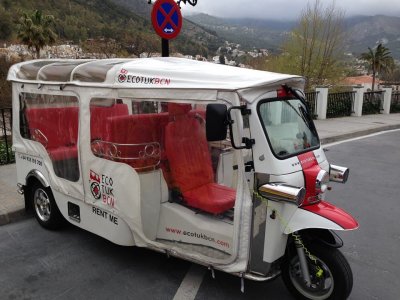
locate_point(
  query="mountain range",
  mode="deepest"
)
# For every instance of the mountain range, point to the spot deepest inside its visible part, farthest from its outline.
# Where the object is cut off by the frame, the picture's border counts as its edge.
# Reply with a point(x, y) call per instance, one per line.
point(361, 32)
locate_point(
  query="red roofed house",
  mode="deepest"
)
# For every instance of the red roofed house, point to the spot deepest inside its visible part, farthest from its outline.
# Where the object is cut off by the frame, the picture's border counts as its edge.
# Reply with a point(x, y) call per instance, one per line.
point(365, 80)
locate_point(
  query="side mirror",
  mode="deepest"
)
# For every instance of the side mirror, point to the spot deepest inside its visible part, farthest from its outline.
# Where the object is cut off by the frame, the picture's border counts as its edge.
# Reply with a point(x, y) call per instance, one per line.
point(216, 122)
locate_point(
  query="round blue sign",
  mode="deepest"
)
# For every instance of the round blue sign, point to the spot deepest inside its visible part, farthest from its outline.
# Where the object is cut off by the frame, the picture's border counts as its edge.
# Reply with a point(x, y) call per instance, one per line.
point(166, 18)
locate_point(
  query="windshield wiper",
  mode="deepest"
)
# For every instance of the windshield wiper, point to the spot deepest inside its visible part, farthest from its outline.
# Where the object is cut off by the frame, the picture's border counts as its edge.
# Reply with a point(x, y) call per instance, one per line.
point(304, 113)
point(306, 118)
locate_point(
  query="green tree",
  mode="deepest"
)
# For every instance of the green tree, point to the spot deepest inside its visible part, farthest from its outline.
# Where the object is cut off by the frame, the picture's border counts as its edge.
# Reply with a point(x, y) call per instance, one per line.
point(393, 76)
point(314, 48)
point(379, 60)
point(36, 31)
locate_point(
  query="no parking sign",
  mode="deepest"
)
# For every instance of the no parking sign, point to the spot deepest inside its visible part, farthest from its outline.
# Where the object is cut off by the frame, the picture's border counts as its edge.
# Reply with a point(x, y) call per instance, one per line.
point(166, 18)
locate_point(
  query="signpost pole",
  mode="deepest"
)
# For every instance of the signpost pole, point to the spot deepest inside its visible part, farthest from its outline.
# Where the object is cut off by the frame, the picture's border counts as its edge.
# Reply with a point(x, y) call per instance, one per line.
point(165, 47)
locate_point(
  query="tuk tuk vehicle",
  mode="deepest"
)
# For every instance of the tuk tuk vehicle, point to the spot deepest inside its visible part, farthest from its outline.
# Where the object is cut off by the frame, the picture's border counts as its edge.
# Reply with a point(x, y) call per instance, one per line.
point(218, 165)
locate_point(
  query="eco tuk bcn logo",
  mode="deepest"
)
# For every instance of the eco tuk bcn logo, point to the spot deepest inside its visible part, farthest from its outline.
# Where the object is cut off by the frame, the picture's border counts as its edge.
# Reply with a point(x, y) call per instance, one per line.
point(102, 188)
point(122, 76)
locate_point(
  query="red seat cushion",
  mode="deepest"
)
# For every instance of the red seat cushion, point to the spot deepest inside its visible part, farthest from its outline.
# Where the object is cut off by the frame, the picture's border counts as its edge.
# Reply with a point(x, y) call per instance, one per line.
point(212, 198)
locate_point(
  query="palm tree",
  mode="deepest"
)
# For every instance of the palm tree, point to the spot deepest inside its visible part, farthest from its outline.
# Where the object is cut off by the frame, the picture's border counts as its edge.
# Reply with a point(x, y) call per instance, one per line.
point(36, 31)
point(379, 60)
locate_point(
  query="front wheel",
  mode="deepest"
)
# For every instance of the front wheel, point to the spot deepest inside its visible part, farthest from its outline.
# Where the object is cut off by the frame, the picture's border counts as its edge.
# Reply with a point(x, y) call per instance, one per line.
point(330, 274)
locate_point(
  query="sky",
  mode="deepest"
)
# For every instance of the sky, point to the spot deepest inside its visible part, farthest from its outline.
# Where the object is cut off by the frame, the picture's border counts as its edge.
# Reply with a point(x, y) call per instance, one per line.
point(287, 9)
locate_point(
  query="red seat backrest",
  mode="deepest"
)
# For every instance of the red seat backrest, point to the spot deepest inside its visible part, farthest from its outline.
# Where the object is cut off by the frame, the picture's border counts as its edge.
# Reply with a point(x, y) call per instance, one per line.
point(137, 129)
point(187, 152)
point(58, 124)
point(98, 119)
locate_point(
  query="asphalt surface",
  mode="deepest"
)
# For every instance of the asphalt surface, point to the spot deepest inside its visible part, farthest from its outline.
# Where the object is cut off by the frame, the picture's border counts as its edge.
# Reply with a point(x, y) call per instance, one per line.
point(372, 196)
point(74, 264)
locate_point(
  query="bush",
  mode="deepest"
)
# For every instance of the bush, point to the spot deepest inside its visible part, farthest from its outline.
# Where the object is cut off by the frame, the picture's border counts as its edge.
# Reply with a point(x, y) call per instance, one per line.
point(3, 152)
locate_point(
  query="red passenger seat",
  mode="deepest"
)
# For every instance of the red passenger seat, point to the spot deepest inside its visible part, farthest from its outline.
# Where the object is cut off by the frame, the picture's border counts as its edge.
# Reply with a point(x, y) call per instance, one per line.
point(56, 128)
point(190, 163)
point(98, 118)
point(146, 131)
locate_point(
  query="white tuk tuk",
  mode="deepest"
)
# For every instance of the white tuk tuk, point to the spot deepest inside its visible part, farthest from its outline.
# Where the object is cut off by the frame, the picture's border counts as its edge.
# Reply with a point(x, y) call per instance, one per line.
point(217, 165)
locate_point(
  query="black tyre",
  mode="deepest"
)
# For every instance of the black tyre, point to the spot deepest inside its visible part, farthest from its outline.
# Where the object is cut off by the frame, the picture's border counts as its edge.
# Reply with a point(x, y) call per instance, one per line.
point(334, 282)
point(45, 208)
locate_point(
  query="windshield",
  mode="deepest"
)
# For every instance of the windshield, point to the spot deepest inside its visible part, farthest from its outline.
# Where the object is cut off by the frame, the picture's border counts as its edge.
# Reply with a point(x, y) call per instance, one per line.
point(288, 126)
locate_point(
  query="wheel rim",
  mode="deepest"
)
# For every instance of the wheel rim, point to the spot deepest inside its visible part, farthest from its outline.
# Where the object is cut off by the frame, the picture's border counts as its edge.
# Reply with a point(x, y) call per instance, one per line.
point(321, 287)
point(42, 205)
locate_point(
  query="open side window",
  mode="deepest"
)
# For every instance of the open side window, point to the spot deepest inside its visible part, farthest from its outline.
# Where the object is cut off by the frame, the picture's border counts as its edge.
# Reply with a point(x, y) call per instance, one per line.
point(149, 135)
point(52, 121)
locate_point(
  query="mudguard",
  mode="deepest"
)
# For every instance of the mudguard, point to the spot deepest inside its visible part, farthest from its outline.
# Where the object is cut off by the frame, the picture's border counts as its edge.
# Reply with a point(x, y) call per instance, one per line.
point(321, 215)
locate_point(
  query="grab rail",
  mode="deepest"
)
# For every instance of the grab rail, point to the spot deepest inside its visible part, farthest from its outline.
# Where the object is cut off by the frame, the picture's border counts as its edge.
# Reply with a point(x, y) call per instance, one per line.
point(114, 151)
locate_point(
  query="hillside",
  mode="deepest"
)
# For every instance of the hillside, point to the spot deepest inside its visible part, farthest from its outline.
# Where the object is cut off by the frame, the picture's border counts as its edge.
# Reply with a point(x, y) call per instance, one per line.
point(79, 20)
point(362, 32)
point(247, 32)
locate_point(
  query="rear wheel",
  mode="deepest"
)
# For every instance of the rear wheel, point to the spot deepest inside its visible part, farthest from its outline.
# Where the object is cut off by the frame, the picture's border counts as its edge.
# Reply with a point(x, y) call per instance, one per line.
point(330, 274)
point(45, 208)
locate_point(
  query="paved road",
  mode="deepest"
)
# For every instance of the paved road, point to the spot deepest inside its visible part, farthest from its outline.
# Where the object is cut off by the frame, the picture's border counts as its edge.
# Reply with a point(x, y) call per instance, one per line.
point(372, 195)
point(74, 264)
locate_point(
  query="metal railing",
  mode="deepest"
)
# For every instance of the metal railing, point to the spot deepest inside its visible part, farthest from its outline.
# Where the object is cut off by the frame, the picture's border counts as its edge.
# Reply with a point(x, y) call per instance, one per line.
point(6, 155)
point(395, 104)
point(373, 102)
point(311, 99)
point(340, 104)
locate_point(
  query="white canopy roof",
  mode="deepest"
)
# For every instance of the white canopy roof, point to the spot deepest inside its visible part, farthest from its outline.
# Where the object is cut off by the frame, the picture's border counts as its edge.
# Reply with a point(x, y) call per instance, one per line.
point(161, 72)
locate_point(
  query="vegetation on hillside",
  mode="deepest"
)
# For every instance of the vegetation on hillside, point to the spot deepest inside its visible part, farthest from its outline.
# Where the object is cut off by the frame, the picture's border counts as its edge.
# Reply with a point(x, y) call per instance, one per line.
point(80, 21)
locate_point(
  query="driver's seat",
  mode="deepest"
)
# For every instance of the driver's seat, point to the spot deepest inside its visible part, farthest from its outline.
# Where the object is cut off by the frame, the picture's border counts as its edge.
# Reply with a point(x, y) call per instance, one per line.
point(190, 163)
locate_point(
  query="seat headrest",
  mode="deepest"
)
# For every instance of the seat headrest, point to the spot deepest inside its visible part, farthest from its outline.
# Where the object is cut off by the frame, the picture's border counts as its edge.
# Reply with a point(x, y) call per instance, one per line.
point(175, 109)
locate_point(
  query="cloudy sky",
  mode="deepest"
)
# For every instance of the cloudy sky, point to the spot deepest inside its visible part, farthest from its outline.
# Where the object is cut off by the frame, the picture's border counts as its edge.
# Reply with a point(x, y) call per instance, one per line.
point(287, 9)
